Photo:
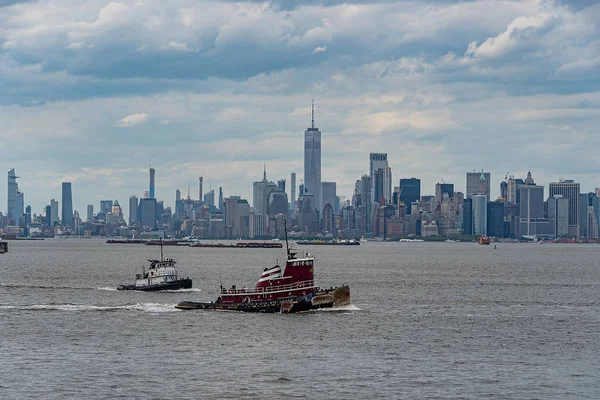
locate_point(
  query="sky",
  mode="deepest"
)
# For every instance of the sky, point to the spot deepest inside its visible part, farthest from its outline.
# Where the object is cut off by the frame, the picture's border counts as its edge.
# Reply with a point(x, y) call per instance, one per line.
point(93, 92)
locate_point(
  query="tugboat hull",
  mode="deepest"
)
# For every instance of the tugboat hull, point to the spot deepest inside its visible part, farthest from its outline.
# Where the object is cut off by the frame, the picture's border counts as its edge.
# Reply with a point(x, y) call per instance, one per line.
point(327, 298)
point(176, 285)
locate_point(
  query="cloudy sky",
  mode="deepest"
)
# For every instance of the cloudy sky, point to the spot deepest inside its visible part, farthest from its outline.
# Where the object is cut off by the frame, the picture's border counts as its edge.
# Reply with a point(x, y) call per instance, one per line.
point(92, 92)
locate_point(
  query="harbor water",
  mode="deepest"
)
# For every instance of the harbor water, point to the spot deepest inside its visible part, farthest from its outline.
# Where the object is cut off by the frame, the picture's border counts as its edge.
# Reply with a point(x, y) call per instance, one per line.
point(427, 320)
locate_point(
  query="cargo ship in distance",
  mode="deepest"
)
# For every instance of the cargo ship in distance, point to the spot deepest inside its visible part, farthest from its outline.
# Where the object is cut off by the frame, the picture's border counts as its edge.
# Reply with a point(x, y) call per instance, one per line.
point(289, 288)
point(351, 242)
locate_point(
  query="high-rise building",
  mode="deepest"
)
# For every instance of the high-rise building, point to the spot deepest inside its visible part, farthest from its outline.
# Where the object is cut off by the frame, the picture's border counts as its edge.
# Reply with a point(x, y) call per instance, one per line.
point(209, 198)
point(48, 217)
point(495, 219)
point(478, 183)
point(293, 191)
point(106, 206)
point(410, 191)
point(90, 212)
point(133, 210)
point(259, 202)
point(366, 185)
point(570, 190)
point(329, 192)
point(67, 204)
point(16, 201)
point(147, 213)
point(152, 177)
point(443, 190)
point(257, 225)
point(479, 214)
point(586, 202)
point(532, 221)
point(558, 215)
point(281, 184)
point(378, 161)
point(200, 189)
point(53, 212)
point(312, 161)
point(221, 198)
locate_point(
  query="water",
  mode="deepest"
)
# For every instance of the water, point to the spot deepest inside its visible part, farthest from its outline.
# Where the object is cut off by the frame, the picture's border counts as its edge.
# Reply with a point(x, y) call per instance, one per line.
point(428, 320)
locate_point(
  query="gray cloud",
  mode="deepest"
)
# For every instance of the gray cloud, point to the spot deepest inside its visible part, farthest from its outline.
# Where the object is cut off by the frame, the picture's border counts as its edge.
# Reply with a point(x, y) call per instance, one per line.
point(443, 87)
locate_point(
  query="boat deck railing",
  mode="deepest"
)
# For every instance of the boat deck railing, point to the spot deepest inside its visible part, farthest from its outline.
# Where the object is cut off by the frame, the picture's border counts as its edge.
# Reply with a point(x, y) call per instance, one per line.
point(269, 289)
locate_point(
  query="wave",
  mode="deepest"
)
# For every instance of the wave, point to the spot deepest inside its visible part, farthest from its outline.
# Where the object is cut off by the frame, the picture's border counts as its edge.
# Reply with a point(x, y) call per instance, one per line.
point(349, 307)
point(144, 307)
point(45, 287)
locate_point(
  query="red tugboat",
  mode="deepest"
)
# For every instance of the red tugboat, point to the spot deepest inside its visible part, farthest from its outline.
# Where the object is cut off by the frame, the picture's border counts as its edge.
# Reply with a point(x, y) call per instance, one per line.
point(287, 289)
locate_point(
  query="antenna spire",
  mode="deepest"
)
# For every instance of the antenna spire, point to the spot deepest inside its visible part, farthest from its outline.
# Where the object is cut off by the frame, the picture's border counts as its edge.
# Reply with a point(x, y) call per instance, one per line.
point(264, 171)
point(312, 125)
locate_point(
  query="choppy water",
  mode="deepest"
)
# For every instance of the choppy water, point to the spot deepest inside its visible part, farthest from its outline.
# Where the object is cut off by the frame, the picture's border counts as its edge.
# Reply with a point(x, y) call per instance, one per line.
point(446, 321)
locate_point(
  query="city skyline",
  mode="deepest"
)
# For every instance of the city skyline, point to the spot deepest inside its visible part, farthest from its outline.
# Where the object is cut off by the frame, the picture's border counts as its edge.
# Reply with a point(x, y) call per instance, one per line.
point(441, 99)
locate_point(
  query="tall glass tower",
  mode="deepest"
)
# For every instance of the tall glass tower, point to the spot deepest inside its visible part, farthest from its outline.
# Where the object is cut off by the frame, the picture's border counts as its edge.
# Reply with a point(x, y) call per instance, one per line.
point(67, 204)
point(312, 161)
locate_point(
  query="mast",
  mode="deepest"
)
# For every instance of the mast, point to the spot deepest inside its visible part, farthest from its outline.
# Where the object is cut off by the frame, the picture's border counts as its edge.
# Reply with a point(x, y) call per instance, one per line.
point(287, 247)
point(161, 252)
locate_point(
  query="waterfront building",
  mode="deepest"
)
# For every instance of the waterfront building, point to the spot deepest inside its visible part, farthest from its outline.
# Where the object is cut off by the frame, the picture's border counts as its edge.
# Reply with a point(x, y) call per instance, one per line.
point(16, 200)
point(366, 185)
point(558, 215)
point(53, 212)
point(259, 200)
point(410, 191)
point(293, 193)
point(378, 161)
point(257, 225)
point(479, 214)
point(312, 161)
point(67, 204)
point(90, 212)
point(478, 183)
point(495, 219)
point(133, 210)
point(147, 213)
point(329, 192)
point(532, 221)
point(328, 218)
point(571, 190)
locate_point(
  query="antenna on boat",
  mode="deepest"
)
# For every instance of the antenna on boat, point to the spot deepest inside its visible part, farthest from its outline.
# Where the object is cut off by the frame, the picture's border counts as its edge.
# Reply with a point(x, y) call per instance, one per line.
point(161, 253)
point(287, 247)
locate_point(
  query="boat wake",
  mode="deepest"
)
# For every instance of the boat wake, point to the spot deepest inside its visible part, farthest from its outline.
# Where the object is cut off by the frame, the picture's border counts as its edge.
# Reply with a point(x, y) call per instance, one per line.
point(338, 309)
point(143, 307)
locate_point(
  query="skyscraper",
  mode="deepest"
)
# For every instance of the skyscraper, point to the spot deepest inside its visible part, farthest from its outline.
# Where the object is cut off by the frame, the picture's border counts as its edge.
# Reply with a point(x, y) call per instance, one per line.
point(221, 198)
point(558, 215)
point(570, 190)
point(478, 183)
point(293, 192)
point(106, 206)
point(443, 190)
point(532, 221)
point(53, 212)
point(378, 161)
point(479, 214)
point(410, 191)
point(133, 210)
point(151, 190)
point(67, 204)
point(16, 200)
point(200, 188)
point(468, 217)
point(312, 161)
point(259, 202)
point(329, 192)
point(495, 219)
point(90, 212)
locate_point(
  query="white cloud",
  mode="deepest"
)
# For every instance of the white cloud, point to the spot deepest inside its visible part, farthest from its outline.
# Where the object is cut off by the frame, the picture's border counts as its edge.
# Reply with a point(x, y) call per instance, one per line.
point(320, 49)
point(10, 44)
point(132, 120)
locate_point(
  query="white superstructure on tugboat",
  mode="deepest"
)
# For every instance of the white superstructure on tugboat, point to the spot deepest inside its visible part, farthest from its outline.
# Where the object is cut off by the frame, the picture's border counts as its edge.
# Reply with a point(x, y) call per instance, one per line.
point(161, 275)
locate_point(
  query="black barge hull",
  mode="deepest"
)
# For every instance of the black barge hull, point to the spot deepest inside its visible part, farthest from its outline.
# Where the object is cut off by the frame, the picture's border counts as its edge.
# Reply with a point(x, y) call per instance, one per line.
point(179, 284)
